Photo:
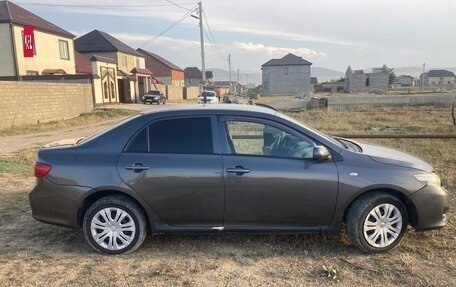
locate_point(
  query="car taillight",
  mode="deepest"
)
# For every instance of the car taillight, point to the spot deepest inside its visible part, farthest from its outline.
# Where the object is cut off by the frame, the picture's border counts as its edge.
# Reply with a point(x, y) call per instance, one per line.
point(41, 169)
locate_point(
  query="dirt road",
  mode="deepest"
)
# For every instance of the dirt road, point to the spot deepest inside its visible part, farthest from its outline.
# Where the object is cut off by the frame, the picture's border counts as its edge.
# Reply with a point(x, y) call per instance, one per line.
point(13, 144)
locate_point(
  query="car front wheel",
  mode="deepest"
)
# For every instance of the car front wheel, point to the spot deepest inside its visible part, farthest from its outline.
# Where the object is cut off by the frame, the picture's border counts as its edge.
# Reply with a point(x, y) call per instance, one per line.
point(114, 225)
point(376, 222)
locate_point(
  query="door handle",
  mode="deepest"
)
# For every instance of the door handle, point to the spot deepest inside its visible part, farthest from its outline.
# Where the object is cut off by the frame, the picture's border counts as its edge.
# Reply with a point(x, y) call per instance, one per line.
point(137, 167)
point(238, 170)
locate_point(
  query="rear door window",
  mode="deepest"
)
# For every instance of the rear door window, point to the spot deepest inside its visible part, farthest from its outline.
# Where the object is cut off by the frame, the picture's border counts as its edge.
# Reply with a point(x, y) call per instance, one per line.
point(185, 136)
point(181, 136)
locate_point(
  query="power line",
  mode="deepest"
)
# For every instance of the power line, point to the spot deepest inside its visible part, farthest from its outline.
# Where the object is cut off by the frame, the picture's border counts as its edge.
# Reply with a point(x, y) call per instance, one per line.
point(209, 28)
point(168, 28)
point(211, 37)
point(217, 52)
point(180, 5)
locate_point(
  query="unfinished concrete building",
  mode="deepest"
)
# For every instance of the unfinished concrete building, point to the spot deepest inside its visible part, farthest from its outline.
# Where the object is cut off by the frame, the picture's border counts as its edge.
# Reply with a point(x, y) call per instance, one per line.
point(359, 81)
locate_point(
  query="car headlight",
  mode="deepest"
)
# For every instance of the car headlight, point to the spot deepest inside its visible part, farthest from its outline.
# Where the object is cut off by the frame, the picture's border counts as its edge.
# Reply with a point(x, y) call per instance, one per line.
point(428, 178)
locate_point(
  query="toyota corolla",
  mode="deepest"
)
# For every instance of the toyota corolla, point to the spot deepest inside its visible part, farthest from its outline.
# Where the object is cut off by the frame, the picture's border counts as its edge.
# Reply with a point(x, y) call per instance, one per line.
point(231, 168)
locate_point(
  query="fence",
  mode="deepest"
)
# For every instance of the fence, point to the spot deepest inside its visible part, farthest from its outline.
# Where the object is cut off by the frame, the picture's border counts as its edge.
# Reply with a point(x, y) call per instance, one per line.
point(176, 93)
point(35, 102)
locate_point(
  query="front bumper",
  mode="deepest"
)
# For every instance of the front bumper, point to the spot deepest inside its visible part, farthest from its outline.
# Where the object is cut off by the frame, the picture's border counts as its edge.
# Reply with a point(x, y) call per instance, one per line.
point(56, 204)
point(151, 100)
point(431, 208)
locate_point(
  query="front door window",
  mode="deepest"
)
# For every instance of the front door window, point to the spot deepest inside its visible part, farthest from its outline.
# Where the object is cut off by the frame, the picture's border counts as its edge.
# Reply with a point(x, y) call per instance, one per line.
point(251, 138)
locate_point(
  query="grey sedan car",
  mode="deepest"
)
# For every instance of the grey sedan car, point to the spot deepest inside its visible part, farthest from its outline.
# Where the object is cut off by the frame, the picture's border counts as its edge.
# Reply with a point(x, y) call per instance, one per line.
point(231, 168)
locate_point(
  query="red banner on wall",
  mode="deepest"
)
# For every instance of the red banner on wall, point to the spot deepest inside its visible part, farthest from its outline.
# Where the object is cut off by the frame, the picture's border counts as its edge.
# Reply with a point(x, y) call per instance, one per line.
point(28, 41)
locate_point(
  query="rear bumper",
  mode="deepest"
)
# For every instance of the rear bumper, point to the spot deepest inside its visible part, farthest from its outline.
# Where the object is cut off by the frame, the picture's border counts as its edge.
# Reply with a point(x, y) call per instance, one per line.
point(431, 208)
point(56, 204)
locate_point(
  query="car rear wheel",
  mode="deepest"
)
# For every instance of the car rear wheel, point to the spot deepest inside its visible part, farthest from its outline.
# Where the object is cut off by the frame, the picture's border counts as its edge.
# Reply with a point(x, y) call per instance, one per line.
point(114, 225)
point(376, 222)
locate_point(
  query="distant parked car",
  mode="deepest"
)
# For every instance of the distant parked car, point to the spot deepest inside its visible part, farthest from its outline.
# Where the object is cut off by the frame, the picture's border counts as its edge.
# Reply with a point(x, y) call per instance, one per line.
point(208, 97)
point(154, 96)
point(233, 168)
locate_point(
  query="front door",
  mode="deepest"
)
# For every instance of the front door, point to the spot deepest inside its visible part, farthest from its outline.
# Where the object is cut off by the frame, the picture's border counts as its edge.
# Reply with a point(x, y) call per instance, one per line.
point(271, 179)
point(174, 165)
point(109, 85)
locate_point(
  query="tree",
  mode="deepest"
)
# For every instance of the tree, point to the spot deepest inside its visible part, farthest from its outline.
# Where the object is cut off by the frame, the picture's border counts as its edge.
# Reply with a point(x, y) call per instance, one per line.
point(392, 77)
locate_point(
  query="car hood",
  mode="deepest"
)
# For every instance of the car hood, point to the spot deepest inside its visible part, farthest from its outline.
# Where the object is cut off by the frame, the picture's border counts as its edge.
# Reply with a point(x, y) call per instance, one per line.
point(390, 156)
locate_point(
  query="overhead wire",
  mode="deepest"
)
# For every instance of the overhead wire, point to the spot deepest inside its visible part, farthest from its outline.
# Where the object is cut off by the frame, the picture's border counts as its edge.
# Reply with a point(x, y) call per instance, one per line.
point(177, 5)
point(208, 31)
point(168, 28)
point(210, 37)
point(180, 5)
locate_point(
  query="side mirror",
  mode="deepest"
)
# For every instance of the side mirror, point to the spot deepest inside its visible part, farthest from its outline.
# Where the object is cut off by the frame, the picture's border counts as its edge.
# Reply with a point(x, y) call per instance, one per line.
point(321, 153)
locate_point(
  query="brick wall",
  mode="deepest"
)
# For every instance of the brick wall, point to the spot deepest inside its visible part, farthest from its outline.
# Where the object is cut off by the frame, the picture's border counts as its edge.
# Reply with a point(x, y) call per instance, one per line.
point(191, 93)
point(25, 103)
point(174, 93)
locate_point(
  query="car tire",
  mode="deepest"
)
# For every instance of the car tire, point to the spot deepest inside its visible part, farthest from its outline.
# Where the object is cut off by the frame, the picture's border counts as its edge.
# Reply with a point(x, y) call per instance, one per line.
point(103, 231)
point(376, 222)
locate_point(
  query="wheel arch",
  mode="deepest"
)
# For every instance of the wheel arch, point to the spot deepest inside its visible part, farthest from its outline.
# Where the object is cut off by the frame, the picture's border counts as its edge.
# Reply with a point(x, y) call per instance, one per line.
point(410, 207)
point(92, 198)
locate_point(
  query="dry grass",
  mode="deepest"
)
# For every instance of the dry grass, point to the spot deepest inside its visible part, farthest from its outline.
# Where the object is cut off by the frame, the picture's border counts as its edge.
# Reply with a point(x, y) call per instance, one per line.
point(84, 119)
point(378, 120)
point(36, 254)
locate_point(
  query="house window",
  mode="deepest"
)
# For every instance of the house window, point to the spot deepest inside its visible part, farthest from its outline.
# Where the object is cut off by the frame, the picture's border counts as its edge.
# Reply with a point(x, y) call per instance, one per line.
point(137, 62)
point(124, 60)
point(266, 86)
point(367, 81)
point(266, 71)
point(63, 48)
point(285, 70)
point(34, 45)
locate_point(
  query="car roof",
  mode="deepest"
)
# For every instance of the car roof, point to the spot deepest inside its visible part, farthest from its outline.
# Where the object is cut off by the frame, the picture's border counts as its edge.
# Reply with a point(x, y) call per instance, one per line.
point(219, 108)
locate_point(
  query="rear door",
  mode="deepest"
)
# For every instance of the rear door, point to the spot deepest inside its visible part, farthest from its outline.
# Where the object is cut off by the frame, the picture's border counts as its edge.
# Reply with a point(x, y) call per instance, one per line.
point(175, 166)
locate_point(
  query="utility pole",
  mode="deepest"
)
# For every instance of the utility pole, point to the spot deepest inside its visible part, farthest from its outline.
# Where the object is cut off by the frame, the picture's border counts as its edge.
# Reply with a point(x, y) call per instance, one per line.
point(237, 80)
point(203, 64)
point(422, 76)
point(229, 64)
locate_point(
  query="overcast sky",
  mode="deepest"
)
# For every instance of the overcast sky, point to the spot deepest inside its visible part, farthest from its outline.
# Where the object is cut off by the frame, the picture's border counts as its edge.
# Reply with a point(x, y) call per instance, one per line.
point(331, 34)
